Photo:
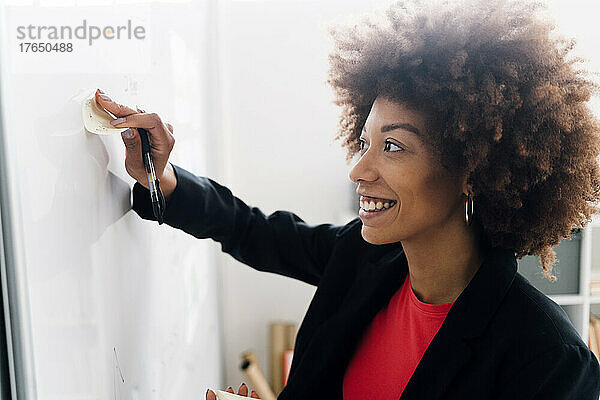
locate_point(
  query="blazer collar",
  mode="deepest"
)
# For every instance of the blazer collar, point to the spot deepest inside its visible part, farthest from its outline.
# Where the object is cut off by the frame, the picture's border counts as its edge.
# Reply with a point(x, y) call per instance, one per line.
point(374, 286)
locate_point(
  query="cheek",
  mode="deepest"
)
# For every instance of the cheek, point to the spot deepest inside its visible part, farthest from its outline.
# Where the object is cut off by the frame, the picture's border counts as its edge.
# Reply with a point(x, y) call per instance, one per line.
point(438, 196)
point(424, 196)
point(409, 188)
point(407, 201)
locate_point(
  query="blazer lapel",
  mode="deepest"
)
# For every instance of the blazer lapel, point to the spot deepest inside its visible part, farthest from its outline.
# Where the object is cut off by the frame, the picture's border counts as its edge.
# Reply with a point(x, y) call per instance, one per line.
point(443, 359)
point(373, 287)
point(334, 342)
point(471, 312)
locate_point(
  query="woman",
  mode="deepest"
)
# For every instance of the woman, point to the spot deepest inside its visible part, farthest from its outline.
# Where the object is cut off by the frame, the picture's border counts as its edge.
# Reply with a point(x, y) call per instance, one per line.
point(475, 148)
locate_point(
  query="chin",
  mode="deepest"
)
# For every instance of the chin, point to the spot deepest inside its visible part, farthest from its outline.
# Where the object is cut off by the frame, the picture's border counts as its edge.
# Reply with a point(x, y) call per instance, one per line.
point(372, 236)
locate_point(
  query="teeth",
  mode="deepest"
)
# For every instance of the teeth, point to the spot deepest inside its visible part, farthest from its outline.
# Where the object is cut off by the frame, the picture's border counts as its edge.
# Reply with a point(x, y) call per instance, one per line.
point(371, 205)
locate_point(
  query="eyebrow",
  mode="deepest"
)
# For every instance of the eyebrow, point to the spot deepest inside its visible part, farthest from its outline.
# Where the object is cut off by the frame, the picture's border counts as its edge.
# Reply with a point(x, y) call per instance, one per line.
point(391, 127)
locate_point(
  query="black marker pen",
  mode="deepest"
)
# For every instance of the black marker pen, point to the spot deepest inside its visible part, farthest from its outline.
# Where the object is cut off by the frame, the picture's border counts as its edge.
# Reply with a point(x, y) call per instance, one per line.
point(156, 195)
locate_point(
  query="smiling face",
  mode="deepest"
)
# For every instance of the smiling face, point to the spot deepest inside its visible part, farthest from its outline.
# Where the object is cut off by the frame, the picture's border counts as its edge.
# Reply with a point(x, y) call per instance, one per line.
point(396, 164)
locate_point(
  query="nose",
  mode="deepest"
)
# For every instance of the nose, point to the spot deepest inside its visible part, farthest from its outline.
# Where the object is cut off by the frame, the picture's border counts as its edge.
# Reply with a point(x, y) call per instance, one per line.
point(364, 170)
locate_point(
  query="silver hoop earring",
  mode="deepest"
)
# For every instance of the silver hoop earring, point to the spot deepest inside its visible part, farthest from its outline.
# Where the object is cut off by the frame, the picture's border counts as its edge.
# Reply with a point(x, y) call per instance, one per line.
point(469, 209)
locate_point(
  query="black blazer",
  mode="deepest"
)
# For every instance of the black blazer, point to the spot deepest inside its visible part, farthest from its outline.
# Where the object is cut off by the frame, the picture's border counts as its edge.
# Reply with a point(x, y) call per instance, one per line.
point(502, 338)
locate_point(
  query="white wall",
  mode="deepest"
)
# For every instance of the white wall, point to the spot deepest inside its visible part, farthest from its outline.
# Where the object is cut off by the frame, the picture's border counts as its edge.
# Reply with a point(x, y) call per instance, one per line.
point(108, 305)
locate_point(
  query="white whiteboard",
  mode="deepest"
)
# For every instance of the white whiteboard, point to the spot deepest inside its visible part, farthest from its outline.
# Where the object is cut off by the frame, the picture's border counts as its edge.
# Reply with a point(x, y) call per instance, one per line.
point(105, 305)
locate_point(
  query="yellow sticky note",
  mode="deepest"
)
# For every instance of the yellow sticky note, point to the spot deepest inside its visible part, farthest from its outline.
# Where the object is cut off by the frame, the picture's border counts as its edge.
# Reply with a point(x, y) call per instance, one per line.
point(96, 119)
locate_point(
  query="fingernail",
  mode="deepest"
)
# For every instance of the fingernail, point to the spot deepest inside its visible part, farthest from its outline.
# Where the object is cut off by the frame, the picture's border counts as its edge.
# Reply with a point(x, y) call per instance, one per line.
point(117, 121)
point(127, 134)
point(105, 97)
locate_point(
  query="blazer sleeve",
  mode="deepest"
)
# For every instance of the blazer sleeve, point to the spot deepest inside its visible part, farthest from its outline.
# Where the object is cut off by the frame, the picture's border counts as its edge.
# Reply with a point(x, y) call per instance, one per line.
point(280, 243)
point(567, 371)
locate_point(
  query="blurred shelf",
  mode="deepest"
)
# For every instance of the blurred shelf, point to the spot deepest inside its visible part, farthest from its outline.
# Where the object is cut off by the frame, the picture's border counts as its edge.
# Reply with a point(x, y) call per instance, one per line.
point(567, 299)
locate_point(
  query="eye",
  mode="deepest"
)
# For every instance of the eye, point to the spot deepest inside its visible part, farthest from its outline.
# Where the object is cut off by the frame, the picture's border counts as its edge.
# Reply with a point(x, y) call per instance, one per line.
point(360, 145)
point(393, 144)
point(387, 143)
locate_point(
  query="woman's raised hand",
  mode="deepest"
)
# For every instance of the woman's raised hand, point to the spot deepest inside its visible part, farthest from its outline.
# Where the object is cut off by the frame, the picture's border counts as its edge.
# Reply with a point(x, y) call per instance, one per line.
point(242, 391)
point(160, 136)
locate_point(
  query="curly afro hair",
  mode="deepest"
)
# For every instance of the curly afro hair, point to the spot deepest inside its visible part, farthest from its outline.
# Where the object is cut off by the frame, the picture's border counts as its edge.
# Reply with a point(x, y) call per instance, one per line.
point(504, 106)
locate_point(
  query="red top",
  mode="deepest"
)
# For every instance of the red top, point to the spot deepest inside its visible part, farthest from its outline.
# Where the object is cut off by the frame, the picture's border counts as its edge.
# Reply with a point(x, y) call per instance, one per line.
point(392, 346)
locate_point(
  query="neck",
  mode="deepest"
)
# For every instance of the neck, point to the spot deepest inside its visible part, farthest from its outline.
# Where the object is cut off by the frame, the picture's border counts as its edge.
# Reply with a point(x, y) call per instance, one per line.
point(442, 261)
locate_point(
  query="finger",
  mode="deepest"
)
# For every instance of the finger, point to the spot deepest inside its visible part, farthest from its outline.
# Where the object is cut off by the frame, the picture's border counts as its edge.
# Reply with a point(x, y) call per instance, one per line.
point(132, 140)
point(230, 390)
point(254, 395)
point(146, 121)
point(169, 126)
point(116, 109)
point(243, 390)
point(210, 395)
